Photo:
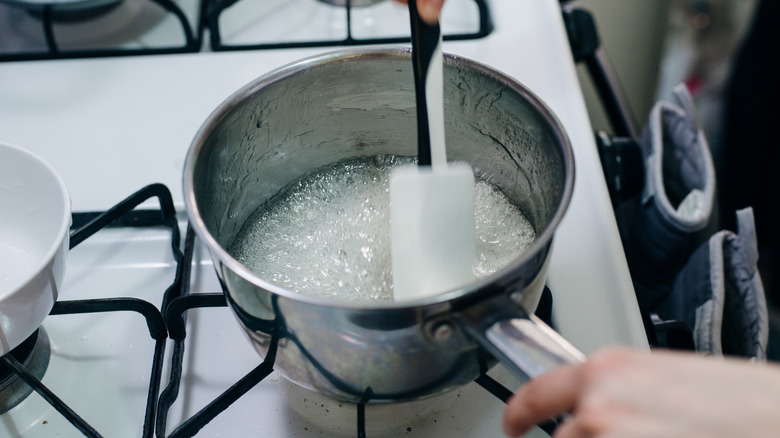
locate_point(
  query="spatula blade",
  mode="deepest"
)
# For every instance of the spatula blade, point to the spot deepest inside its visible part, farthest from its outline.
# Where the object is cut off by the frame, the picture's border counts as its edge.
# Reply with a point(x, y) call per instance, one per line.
point(433, 231)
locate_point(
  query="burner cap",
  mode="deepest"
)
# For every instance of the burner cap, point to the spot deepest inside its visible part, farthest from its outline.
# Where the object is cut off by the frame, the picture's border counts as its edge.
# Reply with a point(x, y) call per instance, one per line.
point(33, 353)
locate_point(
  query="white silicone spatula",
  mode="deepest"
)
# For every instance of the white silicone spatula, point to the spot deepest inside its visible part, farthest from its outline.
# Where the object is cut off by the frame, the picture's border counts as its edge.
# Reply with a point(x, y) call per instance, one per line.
point(432, 204)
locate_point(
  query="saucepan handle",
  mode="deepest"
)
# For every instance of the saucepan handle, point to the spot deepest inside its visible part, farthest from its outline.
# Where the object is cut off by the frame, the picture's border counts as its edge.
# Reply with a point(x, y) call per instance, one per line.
point(523, 343)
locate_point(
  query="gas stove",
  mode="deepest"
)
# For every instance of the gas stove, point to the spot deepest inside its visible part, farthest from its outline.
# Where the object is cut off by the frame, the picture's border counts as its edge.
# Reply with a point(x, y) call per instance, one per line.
point(113, 123)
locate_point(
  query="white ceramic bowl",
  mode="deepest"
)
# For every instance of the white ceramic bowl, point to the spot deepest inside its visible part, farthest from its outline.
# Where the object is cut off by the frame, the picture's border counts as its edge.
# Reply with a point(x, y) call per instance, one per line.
point(35, 217)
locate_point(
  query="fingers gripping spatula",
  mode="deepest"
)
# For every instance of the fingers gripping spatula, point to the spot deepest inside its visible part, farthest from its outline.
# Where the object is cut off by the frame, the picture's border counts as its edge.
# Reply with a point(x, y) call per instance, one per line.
point(431, 204)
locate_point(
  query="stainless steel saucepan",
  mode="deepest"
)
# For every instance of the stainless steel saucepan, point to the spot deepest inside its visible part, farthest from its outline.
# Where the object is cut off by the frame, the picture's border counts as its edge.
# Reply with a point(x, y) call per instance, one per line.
point(360, 103)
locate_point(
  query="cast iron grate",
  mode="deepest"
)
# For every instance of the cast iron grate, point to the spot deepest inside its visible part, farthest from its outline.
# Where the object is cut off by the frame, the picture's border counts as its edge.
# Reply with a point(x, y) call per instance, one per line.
point(192, 26)
point(84, 226)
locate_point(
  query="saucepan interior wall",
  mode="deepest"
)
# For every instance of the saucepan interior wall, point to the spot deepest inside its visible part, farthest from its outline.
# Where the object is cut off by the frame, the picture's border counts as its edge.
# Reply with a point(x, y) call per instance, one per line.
point(291, 124)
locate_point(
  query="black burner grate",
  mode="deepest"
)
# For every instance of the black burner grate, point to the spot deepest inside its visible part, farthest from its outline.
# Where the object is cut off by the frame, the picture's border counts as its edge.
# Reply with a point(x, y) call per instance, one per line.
point(86, 226)
point(42, 37)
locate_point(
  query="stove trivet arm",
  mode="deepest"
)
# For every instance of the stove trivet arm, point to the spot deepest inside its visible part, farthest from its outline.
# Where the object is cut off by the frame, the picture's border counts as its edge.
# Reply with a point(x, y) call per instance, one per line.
point(49, 396)
point(176, 302)
point(180, 286)
point(191, 43)
point(157, 330)
point(185, 303)
point(153, 317)
point(194, 424)
point(168, 216)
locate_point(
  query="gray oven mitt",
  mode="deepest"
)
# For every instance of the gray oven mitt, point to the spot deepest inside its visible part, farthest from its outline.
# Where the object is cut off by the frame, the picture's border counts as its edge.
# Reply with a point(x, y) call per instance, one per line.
point(719, 295)
point(659, 230)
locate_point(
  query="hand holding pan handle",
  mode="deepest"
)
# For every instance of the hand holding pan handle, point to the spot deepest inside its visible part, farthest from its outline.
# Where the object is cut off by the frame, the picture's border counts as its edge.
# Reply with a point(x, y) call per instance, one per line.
point(523, 343)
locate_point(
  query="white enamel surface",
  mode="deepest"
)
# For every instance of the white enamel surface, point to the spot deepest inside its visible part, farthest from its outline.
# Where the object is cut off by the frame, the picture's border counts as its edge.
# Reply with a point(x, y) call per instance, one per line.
point(112, 126)
point(34, 221)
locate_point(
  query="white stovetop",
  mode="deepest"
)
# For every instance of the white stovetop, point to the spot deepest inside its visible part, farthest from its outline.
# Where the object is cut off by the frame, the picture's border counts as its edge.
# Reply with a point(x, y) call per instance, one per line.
point(111, 126)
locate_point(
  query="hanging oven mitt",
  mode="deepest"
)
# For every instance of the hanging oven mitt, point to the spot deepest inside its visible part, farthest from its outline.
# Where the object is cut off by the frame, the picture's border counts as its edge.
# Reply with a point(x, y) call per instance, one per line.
point(661, 228)
point(719, 294)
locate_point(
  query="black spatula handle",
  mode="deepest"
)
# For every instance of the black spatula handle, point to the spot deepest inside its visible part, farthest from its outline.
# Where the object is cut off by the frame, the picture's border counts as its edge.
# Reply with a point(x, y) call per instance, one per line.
point(425, 38)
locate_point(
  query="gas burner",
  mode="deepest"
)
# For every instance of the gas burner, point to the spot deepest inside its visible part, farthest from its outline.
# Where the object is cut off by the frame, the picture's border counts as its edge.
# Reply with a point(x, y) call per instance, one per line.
point(34, 354)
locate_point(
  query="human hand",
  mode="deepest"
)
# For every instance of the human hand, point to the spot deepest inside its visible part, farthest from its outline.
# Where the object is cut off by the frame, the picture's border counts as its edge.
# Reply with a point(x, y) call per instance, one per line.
point(626, 393)
point(429, 10)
